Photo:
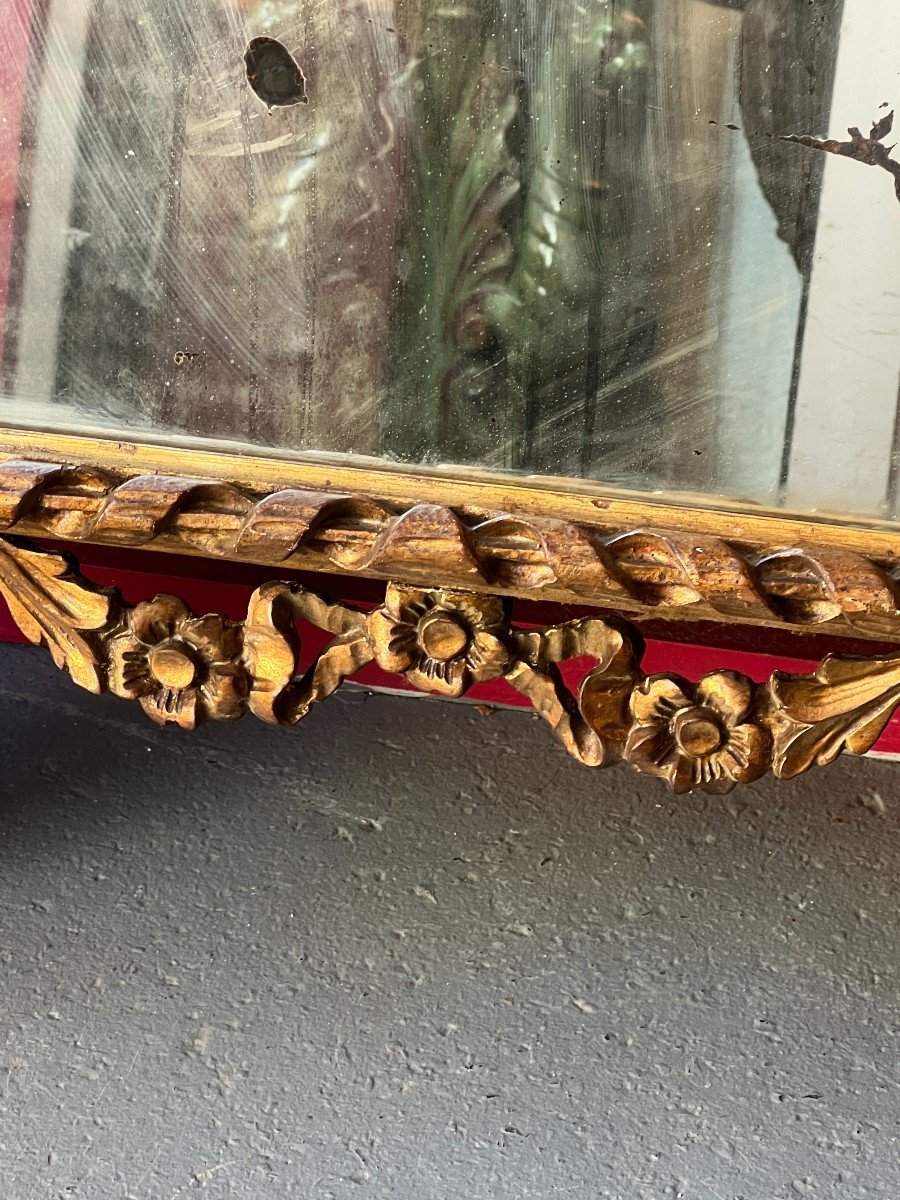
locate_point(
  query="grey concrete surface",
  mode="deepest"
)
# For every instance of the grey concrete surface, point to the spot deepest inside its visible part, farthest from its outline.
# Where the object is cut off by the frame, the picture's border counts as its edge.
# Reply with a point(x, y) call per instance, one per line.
point(409, 951)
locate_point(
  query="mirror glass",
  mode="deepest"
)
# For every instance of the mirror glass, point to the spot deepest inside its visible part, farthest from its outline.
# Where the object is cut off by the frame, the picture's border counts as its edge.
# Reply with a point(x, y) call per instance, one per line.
point(623, 241)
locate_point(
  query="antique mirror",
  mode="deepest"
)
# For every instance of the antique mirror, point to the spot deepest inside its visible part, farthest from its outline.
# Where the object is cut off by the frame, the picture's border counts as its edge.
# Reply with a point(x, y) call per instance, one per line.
point(549, 318)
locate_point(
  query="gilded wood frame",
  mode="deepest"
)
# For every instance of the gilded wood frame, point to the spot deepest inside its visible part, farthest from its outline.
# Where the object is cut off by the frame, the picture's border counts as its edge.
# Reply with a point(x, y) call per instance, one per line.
point(454, 547)
point(534, 537)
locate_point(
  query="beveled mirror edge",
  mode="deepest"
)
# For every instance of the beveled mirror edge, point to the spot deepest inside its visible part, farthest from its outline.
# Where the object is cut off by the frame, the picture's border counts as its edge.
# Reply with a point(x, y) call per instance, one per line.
point(469, 488)
point(532, 538)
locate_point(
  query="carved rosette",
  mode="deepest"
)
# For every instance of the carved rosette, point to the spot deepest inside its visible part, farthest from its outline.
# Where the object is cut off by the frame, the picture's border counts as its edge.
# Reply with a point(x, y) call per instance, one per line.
point(441, 641)
point(697, 736)
point(184, 670)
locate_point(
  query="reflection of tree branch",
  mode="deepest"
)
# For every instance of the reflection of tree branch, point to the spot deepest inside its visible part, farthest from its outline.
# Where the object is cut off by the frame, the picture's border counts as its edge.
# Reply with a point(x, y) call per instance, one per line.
point(869, 150)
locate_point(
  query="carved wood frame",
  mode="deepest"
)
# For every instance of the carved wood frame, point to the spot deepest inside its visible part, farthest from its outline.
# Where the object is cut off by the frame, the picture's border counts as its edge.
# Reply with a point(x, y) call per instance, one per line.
point(454, 548)
point(185, 669)
point(540, 538)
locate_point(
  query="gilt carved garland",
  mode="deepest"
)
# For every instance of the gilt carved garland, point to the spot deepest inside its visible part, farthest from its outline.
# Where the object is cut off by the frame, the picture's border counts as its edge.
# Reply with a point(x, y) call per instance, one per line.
point(184, 669)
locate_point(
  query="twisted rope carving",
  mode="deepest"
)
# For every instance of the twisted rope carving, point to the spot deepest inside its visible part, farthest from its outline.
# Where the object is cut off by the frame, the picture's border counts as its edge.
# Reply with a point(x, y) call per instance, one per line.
point(674, 572)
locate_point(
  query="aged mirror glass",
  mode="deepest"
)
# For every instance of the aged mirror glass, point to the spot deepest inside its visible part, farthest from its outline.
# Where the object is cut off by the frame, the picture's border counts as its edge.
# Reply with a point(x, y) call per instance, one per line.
point(595, 239)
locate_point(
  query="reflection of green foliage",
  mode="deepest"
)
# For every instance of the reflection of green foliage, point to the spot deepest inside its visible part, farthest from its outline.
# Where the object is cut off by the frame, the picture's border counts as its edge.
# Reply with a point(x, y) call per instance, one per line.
point(574, 312)
point(511, 277)
point(457, 255)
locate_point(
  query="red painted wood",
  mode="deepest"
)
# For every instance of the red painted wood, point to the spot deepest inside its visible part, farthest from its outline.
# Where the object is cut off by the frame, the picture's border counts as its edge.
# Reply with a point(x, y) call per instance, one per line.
point(226, 588)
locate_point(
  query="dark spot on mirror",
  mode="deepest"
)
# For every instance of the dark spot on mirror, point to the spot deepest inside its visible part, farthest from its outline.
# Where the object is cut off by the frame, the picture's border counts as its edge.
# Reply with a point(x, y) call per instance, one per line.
point(274, 74)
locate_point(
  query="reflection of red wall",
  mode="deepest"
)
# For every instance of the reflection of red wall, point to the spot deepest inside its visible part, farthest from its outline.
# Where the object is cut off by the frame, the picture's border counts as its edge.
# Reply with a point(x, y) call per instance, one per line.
point(15, 35)
point(227, 587)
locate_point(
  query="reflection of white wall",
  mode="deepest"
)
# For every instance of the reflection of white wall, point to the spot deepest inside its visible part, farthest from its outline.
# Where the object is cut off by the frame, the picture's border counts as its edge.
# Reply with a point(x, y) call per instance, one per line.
point(50, 196)
point(847, 394)
point(758, 310)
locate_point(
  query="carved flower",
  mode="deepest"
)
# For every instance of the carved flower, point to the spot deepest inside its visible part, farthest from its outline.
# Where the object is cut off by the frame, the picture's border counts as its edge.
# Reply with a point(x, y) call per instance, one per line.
point(441, 641)
point(183, 669)
point(697, 737)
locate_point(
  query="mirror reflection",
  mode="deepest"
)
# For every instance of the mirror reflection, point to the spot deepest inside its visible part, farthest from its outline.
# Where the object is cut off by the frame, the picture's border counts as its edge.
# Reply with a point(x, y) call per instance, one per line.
point(629, 241)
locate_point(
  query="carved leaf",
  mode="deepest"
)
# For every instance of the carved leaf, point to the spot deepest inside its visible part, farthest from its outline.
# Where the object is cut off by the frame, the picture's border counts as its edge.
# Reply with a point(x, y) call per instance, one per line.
point(845, 705)
point(658, 567)
point(52, 606)
point(838, 685)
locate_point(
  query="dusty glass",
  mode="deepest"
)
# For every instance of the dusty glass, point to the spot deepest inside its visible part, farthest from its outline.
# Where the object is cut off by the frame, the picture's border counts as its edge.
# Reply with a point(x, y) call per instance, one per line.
point(584, 238)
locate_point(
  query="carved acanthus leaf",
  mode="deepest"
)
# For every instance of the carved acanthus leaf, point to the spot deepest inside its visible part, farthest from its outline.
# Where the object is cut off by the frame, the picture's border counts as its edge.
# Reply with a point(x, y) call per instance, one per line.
point(54, 607)
point(845, 705)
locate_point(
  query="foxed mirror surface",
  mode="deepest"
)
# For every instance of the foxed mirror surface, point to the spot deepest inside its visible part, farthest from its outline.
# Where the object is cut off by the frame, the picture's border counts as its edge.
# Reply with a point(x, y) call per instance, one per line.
point(596, 239)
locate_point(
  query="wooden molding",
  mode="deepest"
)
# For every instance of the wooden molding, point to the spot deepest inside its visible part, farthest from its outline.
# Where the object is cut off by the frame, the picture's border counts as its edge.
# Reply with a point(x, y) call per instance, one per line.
point(680, 573)
point(184, 669)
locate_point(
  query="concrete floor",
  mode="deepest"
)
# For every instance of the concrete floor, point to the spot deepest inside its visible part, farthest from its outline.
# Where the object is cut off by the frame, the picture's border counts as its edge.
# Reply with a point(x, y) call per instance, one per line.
point(407, 951)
